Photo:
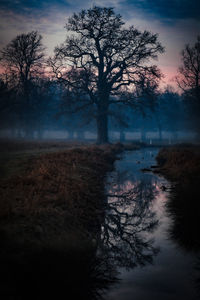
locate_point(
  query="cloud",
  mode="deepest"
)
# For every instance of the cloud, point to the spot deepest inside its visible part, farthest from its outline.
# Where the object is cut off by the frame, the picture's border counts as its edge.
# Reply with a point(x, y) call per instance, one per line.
point(49, 25)
point(169, 10)
point(27, 7)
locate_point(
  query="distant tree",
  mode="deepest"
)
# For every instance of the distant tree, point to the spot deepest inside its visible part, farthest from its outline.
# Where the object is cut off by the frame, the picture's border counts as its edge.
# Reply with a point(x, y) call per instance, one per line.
point(4, 96)
point(103, 58)
point(188, 80)
point(43, 105)
point(171, 111)
point(22, 60)
point(147, 95)
point(23, 56)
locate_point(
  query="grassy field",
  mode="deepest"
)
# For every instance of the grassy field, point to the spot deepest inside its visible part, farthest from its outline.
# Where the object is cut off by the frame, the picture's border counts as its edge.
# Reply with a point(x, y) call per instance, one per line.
point(15, 154)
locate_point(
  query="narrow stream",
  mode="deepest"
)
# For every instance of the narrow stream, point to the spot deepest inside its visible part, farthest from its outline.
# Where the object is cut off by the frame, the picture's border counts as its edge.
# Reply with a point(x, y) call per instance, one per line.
point(136, 233)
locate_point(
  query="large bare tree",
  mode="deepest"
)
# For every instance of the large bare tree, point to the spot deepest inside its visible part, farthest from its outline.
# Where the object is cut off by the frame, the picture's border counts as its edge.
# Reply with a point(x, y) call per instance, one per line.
point(102, 58)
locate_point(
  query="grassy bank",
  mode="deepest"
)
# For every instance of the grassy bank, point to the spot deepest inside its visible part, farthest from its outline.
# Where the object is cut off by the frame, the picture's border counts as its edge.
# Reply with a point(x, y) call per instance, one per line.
point(181, 165)
point(180, 162)
point(51, 209)
point(61, 189)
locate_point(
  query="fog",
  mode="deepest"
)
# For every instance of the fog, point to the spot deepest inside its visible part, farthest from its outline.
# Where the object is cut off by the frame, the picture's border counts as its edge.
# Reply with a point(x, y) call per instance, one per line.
point(52, 115)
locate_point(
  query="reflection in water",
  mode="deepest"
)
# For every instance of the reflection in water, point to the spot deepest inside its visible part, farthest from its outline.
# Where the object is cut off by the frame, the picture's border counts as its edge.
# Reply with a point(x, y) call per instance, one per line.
point(183, 208)
point(87, 268)
point(53, 274)
point(128, 219)
point(171, 276)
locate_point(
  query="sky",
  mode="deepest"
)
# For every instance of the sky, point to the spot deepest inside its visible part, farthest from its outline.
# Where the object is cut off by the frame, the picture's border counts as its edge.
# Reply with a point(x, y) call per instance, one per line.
point(176, 21)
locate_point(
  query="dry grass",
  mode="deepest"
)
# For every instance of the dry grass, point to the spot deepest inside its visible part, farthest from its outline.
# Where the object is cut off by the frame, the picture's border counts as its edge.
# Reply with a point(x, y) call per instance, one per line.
point(55, 193)
point(15, 154)
point(10, 145)
point(180, 162)
point(51, 210)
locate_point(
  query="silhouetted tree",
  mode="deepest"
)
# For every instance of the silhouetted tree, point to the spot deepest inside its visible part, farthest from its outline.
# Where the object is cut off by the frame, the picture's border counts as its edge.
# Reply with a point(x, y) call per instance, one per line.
point(4, 97)
point(103, 58)
point(189, 81)
point(169, 112)
point(146, 94)
point(189, 72)
point(22, 59)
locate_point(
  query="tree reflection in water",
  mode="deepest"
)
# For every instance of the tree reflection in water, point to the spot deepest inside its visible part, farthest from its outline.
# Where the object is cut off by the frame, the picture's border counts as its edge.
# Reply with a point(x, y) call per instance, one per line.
point(128, 220)
point(89, 269)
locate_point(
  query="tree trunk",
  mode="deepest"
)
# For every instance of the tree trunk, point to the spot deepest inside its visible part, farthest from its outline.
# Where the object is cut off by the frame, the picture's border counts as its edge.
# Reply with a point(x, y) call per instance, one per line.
point(175, 135)
point(29, 133)
point(102, 125)
point(80, 135)
point(40, 133)
point(143, 134)
point(70, 135)
point(160, 132)
point(19, 133)
point(122, 136)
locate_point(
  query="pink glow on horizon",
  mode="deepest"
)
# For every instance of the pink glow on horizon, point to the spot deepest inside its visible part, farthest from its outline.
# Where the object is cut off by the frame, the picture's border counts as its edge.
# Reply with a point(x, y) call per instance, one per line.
point(169, 73)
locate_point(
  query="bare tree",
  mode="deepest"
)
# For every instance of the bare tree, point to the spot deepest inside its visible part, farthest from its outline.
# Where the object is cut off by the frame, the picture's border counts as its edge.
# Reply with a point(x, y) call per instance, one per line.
point(23, 55)
point(22, 59)
point(188, 80)
point(189, 73)
point(102, 57)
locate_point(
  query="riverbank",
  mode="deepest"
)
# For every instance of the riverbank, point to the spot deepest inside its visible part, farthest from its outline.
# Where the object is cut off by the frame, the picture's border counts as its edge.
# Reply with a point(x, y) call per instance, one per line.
point(51, 209)
point(180, 162)
point(181, 166)
point(45, 189)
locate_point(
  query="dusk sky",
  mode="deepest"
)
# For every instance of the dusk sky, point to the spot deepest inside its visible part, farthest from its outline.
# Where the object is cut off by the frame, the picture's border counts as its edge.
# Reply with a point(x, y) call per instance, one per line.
point(176, 21)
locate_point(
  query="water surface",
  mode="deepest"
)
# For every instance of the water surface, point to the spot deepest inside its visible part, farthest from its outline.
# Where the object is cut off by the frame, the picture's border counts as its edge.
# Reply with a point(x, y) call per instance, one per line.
point(137, 234)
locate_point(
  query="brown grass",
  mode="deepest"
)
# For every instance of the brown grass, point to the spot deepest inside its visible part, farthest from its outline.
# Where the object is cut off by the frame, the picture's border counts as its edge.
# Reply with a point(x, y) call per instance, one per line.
point(55, 193)
point(180, 162)
point(51, 211)
point(14, 154)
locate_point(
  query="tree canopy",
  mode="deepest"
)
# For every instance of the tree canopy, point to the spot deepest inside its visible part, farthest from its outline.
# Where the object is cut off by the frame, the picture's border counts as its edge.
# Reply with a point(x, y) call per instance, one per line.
point(189, 72)
point(23, 55)
point(103, 58)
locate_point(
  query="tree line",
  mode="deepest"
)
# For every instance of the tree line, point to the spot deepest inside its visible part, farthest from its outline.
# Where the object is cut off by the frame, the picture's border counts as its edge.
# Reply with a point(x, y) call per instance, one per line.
point(101, 77)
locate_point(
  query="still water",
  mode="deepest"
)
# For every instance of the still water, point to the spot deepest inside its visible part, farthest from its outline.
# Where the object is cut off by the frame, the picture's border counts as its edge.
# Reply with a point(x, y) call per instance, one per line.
point(137, 234)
